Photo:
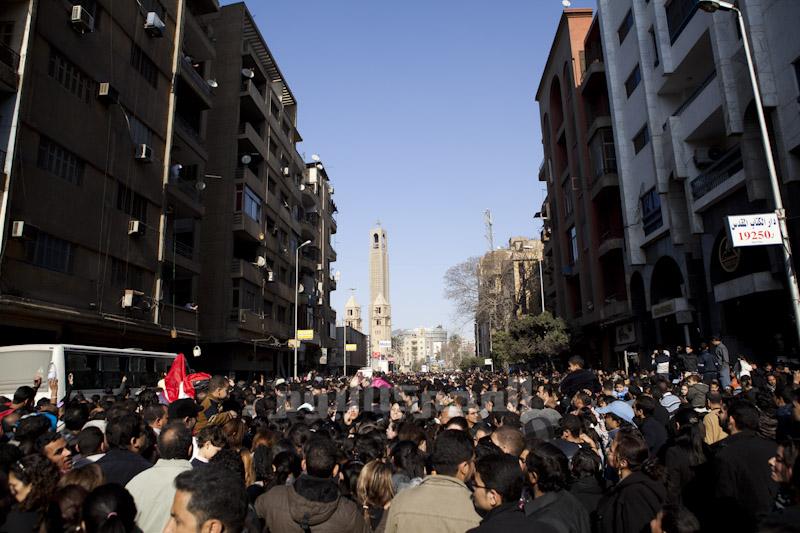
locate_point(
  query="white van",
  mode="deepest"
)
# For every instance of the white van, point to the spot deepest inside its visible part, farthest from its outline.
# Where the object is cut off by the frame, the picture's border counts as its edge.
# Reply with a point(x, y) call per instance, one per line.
point(93, 368)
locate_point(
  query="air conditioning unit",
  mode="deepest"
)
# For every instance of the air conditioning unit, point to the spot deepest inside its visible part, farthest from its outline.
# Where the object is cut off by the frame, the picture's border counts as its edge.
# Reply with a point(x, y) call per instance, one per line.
point(154, 26)
point(286, 171)
point(144, 153)
point(270, 276)
point(320, 301)
point(107, 94)
point(131, 298)
point(332, 190)
point(320, 286)
point(705, 156)
point(320, 267)
point(135, 228)
point(82, 21)
point(20, 230)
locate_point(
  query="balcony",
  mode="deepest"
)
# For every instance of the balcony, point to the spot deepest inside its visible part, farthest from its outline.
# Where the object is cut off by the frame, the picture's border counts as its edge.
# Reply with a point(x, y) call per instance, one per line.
point(592, 63)
point(250, 140)
point(196, 80)
point(717, 174)
point(182, 255)
point(203, 7)
point(253, 102)
point(248, 320)
point(614, 306)
point(241, 268)
point(604, 161)
point(187, 194)
point(610, 239)
point(247, 228)
point(331, 254)
point(181, 318)
point(9, 64)
point(196, 37)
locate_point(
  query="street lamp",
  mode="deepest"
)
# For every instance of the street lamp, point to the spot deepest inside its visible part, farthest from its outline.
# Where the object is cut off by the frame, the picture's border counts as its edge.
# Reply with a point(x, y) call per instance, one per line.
point(710, 6)
point(296, 298)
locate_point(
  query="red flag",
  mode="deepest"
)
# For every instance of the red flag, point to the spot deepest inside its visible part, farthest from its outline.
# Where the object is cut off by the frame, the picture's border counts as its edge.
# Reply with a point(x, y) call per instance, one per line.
point(191, 379)
point(175, 378)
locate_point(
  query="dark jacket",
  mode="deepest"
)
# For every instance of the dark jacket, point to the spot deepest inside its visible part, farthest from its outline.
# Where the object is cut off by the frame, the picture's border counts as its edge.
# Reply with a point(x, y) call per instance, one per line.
point(744, 490)
point(578, 380)
point(506, 518)
point(690, 362)
point(310, 504)
point(560, 510)
point(654, 433)
point(121, 466)
point(707, 366)
point(19, 521)
point(631, 505)
point(588, 491)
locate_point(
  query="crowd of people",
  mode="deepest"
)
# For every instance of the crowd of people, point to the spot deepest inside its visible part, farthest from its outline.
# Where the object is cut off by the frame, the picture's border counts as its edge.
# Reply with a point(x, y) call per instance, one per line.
point(674, 450)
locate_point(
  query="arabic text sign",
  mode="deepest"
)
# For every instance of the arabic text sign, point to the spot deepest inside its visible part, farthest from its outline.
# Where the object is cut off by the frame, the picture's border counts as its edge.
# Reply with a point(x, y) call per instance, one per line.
point(754, 230)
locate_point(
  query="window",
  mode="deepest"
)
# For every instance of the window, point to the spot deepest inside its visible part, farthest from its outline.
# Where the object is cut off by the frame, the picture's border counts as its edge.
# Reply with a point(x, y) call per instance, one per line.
point(625, 27)
point(274, 110)
point(126, 275)
point(144, 65)
point(651, 211)
point(796, 65)
point(57, 160)
point(273, 147)
point(679, 13)
point(71, 77)
point(247, 201)
point(6, 32)
point(280, 315)
point(286, 128)
point(654, 40)
point(134, 204)
point(50, 252)
point(633, 80)
point(271, 185)
point(268, 309)
point(641, 139)
point(140, 133)
point(566, 189)
point(572, 236)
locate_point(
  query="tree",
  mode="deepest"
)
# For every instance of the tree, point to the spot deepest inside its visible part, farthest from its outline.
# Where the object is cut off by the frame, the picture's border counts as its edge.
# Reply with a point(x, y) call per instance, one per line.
point(462, 287)
point(531, 339)
point(479, 295)
point(470, 362)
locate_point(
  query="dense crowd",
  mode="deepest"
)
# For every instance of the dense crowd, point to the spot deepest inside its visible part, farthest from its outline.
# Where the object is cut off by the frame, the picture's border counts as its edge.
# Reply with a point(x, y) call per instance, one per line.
point(676, 448)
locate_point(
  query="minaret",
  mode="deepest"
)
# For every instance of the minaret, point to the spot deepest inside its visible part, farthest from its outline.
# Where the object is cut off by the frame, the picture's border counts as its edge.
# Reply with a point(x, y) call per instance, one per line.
point(352, 314)
point(380, 328)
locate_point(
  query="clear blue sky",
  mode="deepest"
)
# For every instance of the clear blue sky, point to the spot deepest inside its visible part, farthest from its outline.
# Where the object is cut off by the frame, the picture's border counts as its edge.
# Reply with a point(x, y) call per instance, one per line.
point(423, 112)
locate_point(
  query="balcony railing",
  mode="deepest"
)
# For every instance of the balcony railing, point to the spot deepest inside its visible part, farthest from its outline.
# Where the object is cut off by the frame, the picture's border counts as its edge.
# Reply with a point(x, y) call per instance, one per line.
point(182, 249)
point(718, 173)
point(201, 83)
point(189, 188)
point(695, 94)
point(679, 13)
point(189, 129)
point(9, 57)
point(605, 161)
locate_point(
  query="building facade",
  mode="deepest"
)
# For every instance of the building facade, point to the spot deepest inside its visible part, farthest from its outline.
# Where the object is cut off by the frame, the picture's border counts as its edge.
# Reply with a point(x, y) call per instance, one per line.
point(510, 287)
point(97, 106)
point(262, 200)
point(689, 153)
point(418, 346)
point(583, 221)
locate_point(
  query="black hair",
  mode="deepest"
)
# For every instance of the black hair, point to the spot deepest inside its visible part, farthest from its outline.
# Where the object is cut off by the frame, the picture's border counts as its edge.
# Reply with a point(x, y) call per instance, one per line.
point(576, 360)
point(89, 441)
point(689, 435)
point(217, 382)
point(450, 450)
point(573, 424)
point(502, 474)
point(227, 502)
point(262, 463)
point(407, 459)
point(745, 415)
point(109, 509)
point(550, 466)
point(43, 440)
point(23, 394)
point(678, 519)
point(122, 429)
point(230, 461)
point(75, 416)
point(631, 447)
point(175, 441)
point(321, 456)
point(585, 463)
point(286, 463)
point(153, 412)
point(647, 404)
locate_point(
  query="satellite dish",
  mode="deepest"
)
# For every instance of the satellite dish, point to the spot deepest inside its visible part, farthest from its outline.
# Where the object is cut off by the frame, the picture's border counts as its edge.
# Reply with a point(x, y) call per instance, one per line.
point(200, 185)
point(248, 73)
point(302, 186)
point(212, 83)
point(261, 261)
point(247, 159)
point(315, 157)
point(196, 351)
point(300, 288)
point(566, 3)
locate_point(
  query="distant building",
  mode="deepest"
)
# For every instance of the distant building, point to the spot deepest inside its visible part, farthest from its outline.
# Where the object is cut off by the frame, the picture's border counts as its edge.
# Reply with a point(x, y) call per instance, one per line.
point(414, 347)
point(352, 314)
point(355, 360)
point(509, 287)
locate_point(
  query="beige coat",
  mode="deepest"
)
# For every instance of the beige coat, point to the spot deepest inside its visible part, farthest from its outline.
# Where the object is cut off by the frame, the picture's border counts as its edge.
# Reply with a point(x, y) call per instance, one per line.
point(440, 504)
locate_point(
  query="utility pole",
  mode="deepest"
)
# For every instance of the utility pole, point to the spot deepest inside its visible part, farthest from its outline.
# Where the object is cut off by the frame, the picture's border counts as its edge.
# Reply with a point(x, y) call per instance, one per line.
point(487, 219)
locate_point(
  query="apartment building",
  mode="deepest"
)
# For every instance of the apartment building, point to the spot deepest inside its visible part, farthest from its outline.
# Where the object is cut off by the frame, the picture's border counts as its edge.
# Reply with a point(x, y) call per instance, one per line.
point(262, 202)
point(689, 153)
point(98, 225)
point(418, 346)
point(509, 287)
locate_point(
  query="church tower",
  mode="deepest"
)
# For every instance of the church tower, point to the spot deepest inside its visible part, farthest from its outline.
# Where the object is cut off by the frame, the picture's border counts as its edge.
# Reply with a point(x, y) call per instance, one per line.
point(352, 314)
point(380, 324)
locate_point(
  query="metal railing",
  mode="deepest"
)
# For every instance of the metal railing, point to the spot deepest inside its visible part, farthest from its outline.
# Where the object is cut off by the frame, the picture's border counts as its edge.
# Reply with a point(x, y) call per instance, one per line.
point(718, 173)
point(611, 233)
point(180, 248)
point(201, 83)
point(189, 128)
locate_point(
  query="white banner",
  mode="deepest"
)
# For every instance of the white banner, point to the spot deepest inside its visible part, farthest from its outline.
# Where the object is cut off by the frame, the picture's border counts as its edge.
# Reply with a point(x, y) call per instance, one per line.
point(754, 230)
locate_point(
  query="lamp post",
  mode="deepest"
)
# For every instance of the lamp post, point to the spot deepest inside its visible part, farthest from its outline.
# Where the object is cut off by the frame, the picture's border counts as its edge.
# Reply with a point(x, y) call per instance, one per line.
point(710, 6)
point(296, 298)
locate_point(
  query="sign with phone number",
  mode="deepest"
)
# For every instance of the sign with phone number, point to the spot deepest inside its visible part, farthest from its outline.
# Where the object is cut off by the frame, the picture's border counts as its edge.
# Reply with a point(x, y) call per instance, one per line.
point(754, 230)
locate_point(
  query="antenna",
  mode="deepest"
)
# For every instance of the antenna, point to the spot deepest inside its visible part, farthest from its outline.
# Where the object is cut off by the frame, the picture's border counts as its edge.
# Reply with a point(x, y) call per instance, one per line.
point(487, 219)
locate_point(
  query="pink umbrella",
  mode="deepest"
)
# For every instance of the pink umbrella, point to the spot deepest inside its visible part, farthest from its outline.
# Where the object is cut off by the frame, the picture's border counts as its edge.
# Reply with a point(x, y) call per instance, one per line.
point(380, 383)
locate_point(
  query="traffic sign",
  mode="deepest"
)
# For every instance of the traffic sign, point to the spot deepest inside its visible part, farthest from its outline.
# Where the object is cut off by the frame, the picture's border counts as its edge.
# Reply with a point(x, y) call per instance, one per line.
point(351, 347)
point(305, 334)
